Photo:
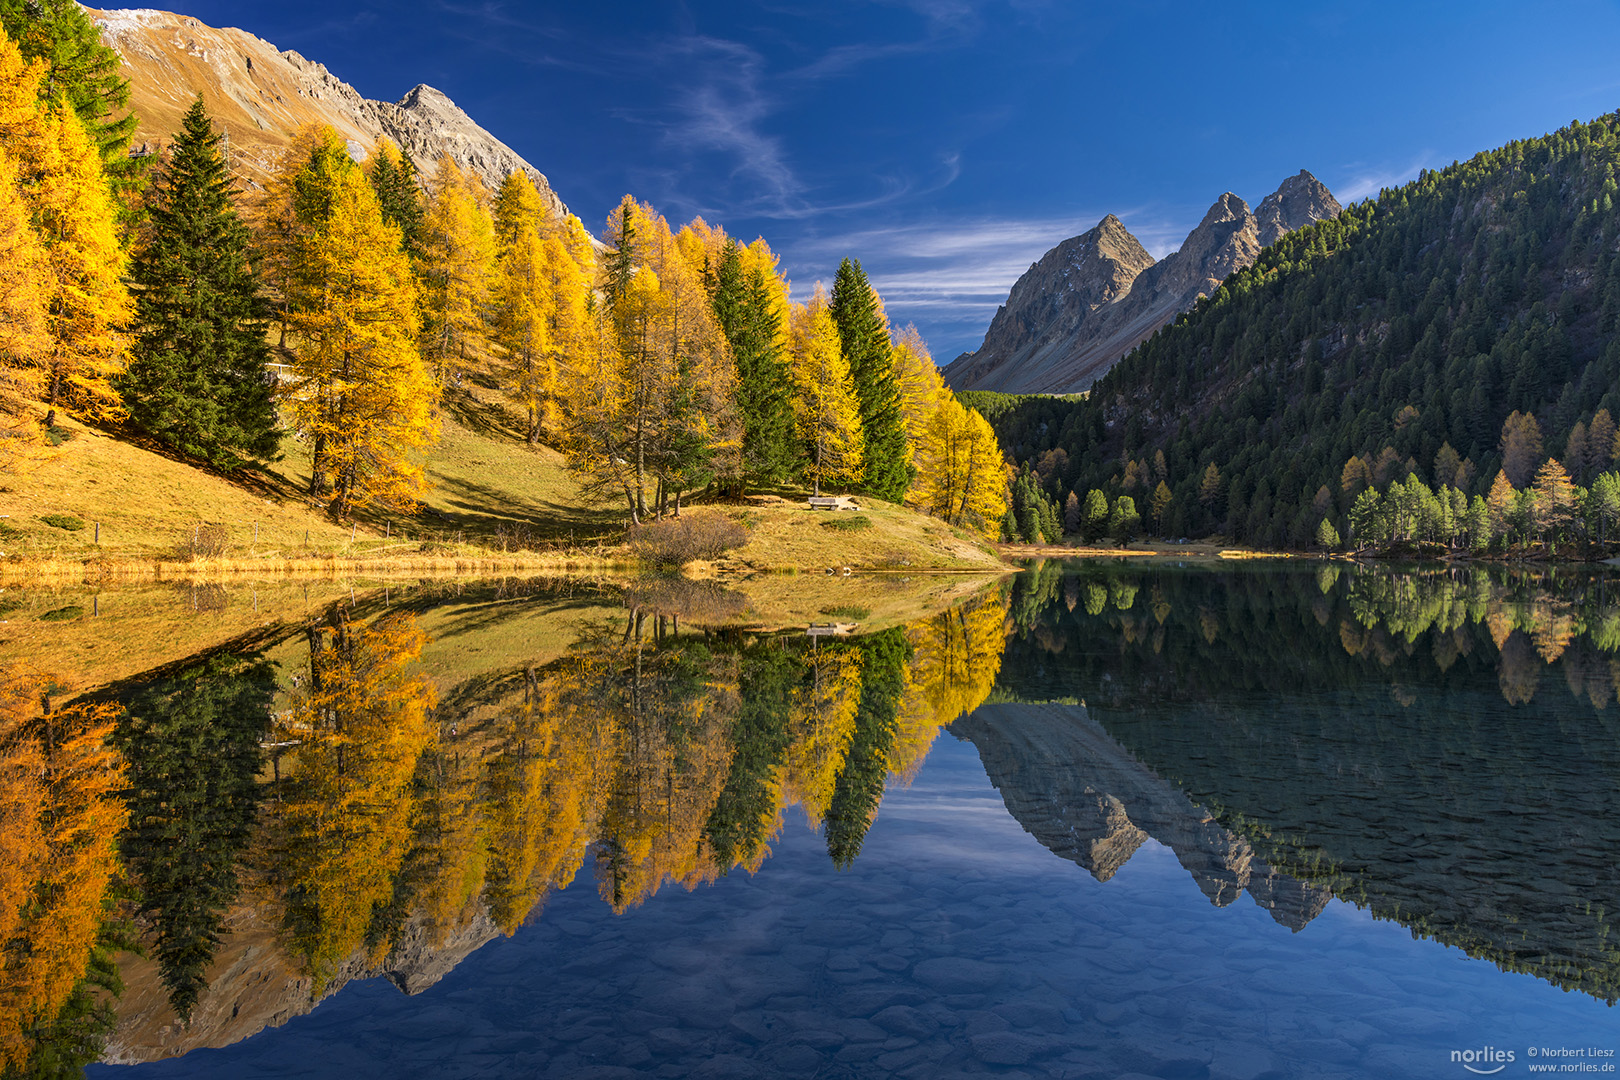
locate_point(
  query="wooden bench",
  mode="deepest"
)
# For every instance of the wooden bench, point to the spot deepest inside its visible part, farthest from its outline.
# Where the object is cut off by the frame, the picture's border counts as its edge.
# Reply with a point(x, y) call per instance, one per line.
point(832, 502)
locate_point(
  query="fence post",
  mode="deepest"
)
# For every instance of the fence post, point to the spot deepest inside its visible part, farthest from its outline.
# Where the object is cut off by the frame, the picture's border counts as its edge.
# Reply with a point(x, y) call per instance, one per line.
point(98, 534)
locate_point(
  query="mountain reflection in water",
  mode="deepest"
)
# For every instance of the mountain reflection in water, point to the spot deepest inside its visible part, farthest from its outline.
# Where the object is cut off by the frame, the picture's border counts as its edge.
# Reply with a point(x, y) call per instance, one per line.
point(389, 784)
point(1437, 746)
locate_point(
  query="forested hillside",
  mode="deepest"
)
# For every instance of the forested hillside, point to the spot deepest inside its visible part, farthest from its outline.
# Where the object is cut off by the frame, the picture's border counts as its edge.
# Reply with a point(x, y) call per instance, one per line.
point(1394, 342)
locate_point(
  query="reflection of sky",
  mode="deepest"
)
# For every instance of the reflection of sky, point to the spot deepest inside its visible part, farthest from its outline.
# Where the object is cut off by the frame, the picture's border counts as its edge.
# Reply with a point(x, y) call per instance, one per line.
point(971, 947)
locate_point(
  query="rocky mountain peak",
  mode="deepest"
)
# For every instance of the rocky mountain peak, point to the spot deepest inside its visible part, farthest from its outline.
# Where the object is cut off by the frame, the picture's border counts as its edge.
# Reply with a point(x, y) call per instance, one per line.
point(1299, 201)
point(424, 98)
point(1226, 208)
point(1096, 296)
point(260, 95)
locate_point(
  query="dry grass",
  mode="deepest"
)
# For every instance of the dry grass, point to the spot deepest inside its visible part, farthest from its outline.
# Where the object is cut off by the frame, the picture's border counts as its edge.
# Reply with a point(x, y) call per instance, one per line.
point(495, 506)
point(785, 535)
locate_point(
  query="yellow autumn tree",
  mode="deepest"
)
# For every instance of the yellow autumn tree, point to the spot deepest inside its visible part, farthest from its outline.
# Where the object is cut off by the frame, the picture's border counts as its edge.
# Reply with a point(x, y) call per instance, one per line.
point(59, 804)
point(71, 208)
point(22, 321)
point(343, 818)
point(292, 209)
point(963, 477)
point(920, 387)
point(826, 412)
point(518, 206)
point(538, 319)
point(360, 393)
point(458, 262)
point(651, 413)
point(87, 304)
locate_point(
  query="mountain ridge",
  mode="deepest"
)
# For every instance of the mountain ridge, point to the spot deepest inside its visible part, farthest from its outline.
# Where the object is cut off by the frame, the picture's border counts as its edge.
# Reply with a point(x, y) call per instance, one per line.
point(259, 95)
point(1054, 337)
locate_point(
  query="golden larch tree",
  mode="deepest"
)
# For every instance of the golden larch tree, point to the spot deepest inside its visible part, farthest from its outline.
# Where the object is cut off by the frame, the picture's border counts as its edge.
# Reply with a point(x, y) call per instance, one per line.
point(22, 320)
point(963, 476)
point(827, 415)
point(360, 390)
point(458, 263)
point(518, 206)
point(920, 387)
point(73, 213)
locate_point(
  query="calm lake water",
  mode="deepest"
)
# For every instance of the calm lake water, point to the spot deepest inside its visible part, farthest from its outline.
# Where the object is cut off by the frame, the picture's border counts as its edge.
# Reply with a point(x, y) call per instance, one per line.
point(1103, 821)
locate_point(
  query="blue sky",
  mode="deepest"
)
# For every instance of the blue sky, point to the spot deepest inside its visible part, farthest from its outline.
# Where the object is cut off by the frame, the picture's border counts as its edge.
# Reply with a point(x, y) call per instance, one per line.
point(948, 143)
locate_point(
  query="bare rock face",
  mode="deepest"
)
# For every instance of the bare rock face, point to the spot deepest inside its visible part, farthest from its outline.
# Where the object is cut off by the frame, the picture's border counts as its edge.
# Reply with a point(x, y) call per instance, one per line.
point(1300, 201)
point(1088, 800)
point(254, 984)
point(259, 96)
point(1095, 297)
point(1055, 303)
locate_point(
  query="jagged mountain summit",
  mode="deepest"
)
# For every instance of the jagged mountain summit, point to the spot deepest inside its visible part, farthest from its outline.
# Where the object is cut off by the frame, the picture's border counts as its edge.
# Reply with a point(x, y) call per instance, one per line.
point(260, 95)
point(1096, 296)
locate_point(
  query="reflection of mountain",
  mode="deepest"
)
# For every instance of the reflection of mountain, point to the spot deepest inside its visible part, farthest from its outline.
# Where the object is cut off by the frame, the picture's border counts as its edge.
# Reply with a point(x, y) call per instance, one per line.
point(1083, 796)
point(1438, 747)
point(417, 804)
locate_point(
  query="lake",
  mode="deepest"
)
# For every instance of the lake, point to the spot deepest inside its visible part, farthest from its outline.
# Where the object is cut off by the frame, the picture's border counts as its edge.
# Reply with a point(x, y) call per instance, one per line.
point(1227, 820)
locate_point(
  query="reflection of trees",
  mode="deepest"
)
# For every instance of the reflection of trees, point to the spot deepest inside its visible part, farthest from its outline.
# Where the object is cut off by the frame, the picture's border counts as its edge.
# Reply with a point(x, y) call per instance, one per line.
point(859, 789)
point(658, 751)
point(59, 817)
point(672, 701)
point(342, 818)
point(193, 747)
point(745, 814)
point(544, 791)
point(1383, 752)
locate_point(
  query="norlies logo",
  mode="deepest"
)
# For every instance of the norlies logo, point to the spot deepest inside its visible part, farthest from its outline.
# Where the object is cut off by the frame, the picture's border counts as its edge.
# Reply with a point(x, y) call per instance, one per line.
point(1481, 1062)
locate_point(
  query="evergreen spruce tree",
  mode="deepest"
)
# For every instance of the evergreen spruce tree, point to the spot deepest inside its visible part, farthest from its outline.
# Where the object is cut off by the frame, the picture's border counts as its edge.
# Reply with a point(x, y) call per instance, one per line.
point(83, 73)
point(192, 743)
point(764, 382)
point(884, 658)
point(197, 378)
point(770, 681)
point(399, 194)
point(888, 471)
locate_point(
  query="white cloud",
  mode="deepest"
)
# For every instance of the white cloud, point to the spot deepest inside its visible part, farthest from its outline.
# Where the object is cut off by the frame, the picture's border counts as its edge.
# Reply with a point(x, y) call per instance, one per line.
point(1365, 180)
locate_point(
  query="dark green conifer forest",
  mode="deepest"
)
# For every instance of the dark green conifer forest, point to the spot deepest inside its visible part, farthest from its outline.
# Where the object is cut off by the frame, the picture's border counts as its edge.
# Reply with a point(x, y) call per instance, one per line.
point(1403, 334)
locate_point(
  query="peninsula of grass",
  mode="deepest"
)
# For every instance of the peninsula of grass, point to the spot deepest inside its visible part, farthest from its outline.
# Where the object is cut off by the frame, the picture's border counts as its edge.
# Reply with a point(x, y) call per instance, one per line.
point(102, 507)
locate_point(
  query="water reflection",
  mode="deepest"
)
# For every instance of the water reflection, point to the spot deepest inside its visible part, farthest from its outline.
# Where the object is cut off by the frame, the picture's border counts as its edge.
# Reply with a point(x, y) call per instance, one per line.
point(400, 777)
point(323, 808)
point(1436, 746)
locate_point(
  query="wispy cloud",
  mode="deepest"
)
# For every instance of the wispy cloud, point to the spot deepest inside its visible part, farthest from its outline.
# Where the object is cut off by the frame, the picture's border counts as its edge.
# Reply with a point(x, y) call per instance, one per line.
point(724, 112)
point(949, 276)
point(1366, 180)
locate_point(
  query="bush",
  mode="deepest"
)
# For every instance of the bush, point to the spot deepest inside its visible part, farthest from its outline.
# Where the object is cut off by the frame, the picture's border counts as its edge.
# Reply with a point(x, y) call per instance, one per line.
point(678, 541)
point(848, 611)
point(204, 542)
point(63, 614)
point(63, 521)
point(691, 601)
point(849, 524)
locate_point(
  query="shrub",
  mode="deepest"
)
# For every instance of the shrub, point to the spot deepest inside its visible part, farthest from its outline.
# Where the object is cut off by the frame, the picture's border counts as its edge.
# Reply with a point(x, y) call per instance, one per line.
point(63, 614)
point(677, 541)
point(691, 601)
point(63, 521)
point(848, 611)
point(857, 523)
point(204, 541)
